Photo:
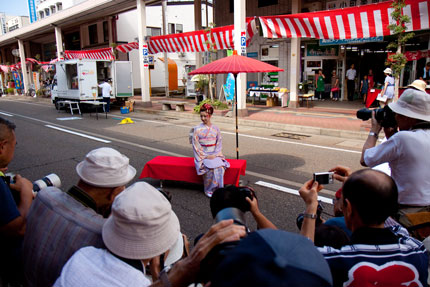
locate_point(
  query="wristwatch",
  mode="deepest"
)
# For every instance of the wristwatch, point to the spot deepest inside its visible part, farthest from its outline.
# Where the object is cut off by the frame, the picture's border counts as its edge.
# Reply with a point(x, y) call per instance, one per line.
point(163, 276)
point(310, 215)
point(373, 134)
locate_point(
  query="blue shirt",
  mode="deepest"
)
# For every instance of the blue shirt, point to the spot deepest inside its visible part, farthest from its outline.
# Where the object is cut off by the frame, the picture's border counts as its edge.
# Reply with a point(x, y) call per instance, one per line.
point(8, 209)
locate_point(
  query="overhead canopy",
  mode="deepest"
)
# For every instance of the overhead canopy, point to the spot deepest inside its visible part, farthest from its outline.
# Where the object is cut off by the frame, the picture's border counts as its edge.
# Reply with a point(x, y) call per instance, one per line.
point(198, 41)
point(347, 23)
point(98, 54)
point(125, 48)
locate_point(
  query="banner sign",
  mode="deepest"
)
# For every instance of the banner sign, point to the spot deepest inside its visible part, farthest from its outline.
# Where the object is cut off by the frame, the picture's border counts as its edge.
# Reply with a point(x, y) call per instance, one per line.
point(229, 87)
point(17, 79)
point(326, 42)
point(414, 55)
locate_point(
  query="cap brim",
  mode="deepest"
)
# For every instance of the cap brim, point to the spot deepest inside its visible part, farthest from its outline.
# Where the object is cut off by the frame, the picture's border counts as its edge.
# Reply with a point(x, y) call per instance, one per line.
point(417, 87)
point(140, 246)
point(398, 109)
point(110, 182)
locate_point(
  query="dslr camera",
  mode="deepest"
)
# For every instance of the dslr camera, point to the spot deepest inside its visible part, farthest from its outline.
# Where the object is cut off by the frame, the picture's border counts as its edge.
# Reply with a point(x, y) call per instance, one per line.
point(226, 203)
point(384, 116)
point(49, 180)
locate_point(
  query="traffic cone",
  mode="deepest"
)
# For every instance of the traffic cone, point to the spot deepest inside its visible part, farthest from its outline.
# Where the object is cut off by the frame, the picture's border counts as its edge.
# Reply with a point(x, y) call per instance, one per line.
point(126, 121)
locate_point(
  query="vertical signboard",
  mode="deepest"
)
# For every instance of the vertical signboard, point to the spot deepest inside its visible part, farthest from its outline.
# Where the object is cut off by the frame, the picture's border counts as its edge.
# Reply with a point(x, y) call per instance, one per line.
point(145, 56)
point(243, 43)
point(32, 10)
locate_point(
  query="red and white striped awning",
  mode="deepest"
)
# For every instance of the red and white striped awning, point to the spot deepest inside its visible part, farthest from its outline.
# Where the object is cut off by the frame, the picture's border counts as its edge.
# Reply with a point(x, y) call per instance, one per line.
point(98, 54)
point(198, 41)
point(348, 23)
point(125, 48)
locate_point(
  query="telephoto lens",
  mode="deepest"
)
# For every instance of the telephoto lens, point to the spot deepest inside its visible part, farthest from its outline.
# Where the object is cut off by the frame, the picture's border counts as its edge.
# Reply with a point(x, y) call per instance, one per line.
point(49, 180)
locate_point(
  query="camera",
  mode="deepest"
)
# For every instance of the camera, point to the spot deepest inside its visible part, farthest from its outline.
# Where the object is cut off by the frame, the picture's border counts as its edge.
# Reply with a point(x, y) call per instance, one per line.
point(226, 203)
point(384, 116)
point(49, 180)
point(324, 177)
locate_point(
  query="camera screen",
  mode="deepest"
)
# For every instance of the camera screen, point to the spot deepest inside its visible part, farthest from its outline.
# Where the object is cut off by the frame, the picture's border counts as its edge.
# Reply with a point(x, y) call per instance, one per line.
point(323, 177)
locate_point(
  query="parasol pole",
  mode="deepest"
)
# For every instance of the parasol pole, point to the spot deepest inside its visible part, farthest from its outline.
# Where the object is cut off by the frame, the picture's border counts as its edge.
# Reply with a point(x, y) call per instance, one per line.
point(237, 129)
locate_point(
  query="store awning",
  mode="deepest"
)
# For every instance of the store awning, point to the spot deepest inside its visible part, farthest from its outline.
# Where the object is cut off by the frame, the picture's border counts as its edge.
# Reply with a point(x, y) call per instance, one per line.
point(98, 54)
point(198, 41)
point(347, 23)
point(125, 48)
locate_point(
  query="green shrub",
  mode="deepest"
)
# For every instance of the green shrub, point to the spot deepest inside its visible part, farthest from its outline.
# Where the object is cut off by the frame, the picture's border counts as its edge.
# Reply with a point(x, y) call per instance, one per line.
point(216, 104)
point(10, 91)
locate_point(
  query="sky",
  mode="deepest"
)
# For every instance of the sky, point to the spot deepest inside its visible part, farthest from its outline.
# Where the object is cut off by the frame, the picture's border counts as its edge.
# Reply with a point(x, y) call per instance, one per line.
point(14, 7)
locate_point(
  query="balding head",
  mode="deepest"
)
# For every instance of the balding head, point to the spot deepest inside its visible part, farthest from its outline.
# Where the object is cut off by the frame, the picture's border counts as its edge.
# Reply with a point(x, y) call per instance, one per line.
point(373, 194)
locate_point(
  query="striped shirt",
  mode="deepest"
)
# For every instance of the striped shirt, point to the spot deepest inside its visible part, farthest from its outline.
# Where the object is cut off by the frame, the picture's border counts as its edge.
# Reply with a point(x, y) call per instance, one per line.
point(378, 256)
point(59, 223)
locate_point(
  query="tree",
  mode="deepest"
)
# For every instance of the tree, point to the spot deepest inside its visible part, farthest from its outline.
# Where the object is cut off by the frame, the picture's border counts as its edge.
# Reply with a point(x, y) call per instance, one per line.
point(212, 51)
point(398, 60)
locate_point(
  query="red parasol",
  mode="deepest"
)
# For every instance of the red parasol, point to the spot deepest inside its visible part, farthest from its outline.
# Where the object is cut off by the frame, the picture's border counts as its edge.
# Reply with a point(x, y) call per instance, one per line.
point(236, 64)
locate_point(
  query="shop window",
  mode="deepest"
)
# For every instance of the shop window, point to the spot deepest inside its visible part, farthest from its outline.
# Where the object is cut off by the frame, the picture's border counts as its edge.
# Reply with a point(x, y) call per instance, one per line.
point(179, 28)
point(264, 3)
point(92, 33)
point(105, 31)
point(171, 27)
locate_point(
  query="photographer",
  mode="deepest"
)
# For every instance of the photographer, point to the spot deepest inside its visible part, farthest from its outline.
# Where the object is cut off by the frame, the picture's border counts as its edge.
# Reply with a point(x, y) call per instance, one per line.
point(12, 215)
point(231, 200)
point(61, 222)
point(407, 152)
point(368, 198)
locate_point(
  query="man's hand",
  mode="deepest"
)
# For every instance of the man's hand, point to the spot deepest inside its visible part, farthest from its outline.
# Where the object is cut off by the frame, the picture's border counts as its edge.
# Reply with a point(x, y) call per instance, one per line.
point(253, 205)
point(309, 192)
point(341, 173)
point(262, 221)
point(185, 271)
point(23, 186)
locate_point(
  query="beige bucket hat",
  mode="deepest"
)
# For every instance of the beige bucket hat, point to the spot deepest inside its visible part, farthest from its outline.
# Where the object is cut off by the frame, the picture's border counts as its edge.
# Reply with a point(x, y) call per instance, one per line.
point(413, 104)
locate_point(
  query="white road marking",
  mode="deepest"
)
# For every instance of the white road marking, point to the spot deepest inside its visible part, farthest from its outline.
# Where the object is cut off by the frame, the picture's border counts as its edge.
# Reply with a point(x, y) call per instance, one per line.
point(69, 119)
point(5, 114)
point(289, 190)
point(78, 134)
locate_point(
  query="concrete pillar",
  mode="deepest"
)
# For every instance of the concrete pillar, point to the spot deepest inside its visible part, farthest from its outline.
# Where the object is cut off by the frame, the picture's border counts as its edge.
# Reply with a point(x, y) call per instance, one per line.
point(23, 65)
point(144, 71)
point(295, 70)
point(198, 26)
point(239, 26)
point(59, 42)
point(166, 60)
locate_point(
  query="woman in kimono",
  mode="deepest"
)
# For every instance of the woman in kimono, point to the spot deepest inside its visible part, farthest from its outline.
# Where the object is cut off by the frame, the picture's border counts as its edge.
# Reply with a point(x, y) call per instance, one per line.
point(208, 157)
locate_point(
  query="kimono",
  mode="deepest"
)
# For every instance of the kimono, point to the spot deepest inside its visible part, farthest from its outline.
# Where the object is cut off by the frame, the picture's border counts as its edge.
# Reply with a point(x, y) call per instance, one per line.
point(207, 141)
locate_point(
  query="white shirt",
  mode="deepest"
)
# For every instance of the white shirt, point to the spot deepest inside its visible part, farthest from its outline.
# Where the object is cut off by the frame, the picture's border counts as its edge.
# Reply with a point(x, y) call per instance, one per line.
point(408, 154)
point(91, 266)
point(106, 89)
point(350, 74)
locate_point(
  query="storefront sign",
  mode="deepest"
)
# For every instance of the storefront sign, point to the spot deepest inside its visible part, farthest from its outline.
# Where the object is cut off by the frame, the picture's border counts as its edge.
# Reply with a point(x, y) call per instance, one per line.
point(315, 50)
point(326, 42)
point(348, 3)
point(252, 55)
point(414, 55)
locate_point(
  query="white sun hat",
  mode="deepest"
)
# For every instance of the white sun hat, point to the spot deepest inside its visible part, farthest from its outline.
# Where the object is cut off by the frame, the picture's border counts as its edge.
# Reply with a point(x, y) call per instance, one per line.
point(142, 224)
point(413, 104)
point(105, 167)
point(388, 71)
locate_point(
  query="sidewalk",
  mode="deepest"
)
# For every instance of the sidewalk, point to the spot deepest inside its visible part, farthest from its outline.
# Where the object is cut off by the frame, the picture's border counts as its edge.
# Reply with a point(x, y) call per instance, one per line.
point(323, 118)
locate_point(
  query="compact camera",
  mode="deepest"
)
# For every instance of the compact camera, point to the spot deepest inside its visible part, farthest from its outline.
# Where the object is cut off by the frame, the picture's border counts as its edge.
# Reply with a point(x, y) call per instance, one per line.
point(324, 177)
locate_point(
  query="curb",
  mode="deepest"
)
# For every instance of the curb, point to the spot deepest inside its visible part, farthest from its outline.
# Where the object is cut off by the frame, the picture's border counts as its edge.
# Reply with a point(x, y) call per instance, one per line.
point(271, 125)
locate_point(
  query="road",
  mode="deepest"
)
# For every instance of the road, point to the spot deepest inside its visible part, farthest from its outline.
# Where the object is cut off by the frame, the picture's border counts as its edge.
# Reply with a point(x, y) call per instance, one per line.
point(46, 145)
